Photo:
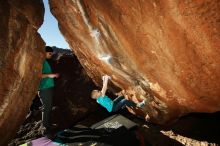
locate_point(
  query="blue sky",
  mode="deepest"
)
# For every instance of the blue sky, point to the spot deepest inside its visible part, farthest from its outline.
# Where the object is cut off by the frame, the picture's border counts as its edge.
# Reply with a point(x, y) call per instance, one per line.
point(49, 30)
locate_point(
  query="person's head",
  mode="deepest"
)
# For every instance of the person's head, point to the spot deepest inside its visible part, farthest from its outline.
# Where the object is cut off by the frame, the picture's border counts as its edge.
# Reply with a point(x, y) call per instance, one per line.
point(95, 94)
point(48, 52)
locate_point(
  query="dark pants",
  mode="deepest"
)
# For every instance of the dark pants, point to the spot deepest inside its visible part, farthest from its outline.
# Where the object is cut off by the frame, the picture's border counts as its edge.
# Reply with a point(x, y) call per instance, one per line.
point(46, 99)
point(36, 104)
point(120, 102)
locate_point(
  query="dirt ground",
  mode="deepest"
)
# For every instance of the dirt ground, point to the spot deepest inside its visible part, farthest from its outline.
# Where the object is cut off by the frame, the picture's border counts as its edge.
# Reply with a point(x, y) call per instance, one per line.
point(192, 130)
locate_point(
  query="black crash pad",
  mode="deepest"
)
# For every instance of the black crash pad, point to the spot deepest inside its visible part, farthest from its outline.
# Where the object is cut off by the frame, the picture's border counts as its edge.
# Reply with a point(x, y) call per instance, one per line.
point(114, 122)
point(112, 131)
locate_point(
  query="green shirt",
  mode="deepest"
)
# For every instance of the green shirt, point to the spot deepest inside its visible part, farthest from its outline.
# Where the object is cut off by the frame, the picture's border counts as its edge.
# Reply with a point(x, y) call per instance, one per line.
point(46, 82)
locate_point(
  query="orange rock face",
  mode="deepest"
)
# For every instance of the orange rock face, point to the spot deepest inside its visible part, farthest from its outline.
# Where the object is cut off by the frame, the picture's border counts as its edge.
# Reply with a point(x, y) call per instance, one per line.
point(167, 52)
point(20, 61)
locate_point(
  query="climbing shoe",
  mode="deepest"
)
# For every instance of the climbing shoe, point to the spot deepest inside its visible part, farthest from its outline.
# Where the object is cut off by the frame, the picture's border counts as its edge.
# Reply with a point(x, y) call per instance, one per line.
point(141, 104)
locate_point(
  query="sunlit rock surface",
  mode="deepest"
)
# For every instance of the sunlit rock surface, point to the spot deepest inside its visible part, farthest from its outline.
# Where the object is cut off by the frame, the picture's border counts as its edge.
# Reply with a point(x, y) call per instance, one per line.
point(167, 52)
point(20, 61)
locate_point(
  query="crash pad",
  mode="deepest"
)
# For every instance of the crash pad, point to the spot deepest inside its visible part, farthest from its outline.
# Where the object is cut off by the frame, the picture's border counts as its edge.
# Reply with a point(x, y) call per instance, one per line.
point(43, 141)
point(115, 122)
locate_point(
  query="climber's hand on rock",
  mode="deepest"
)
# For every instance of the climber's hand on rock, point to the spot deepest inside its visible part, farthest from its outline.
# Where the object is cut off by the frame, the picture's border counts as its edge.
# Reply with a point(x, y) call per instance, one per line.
point(106, 77)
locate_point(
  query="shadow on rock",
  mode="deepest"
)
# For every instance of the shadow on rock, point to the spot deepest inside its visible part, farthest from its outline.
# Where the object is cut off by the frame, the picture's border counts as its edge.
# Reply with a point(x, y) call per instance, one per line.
point(202, 127)
point(72, 93)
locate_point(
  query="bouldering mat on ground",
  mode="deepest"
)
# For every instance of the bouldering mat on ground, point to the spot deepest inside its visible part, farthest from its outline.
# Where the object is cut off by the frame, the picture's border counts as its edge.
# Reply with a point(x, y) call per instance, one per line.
point(43, 141)
point(114, 122)
point(115, 130)
point(101, 137)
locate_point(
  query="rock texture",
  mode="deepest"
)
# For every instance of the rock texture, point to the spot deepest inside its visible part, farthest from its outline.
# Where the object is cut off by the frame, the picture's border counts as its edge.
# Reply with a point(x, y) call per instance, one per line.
point(72, 92)
point(166, 51)
point(20, 61)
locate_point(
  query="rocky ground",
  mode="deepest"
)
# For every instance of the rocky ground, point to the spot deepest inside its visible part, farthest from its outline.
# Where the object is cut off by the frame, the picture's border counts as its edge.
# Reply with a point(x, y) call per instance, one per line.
point(191, 130)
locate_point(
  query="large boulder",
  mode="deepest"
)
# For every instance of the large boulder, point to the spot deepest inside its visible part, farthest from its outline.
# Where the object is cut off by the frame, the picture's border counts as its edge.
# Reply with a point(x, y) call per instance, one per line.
point(166, 52)
point(20, 61)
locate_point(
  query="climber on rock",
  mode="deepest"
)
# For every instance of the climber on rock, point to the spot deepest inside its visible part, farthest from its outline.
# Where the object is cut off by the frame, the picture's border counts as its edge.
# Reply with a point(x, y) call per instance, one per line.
point(112, 105)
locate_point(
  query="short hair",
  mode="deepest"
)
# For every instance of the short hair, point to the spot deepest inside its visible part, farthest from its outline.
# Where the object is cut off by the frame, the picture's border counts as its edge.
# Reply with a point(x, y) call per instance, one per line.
point(48, 49)
point(94, 94)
